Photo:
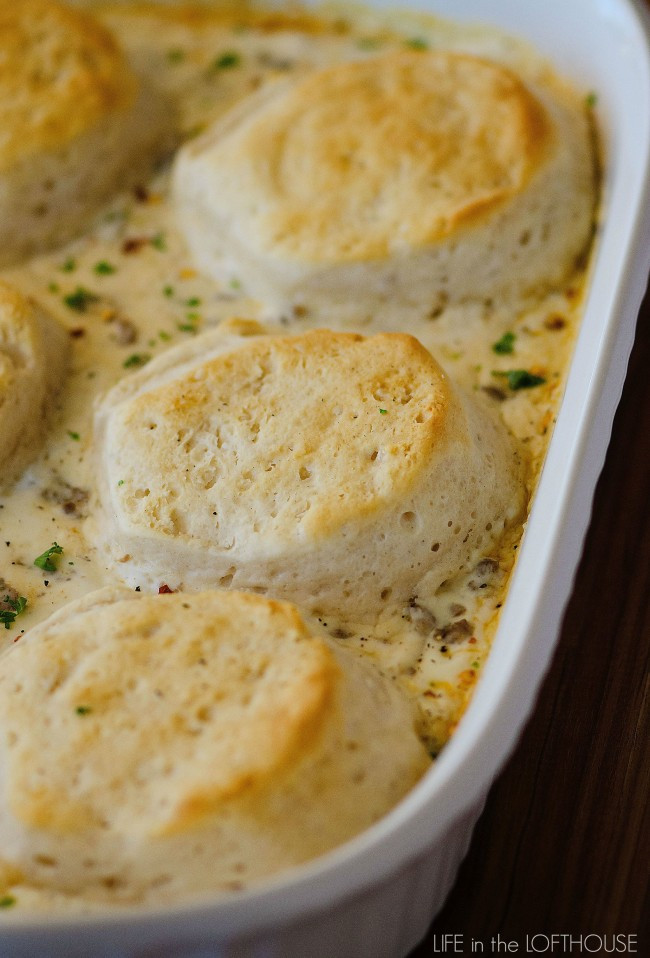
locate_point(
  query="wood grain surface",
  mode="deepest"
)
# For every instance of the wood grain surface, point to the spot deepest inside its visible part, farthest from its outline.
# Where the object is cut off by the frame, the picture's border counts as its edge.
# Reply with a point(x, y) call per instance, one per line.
point(563, 845)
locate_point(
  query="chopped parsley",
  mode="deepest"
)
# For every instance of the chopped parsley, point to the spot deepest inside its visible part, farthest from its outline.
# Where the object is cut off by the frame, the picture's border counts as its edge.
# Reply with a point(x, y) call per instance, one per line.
point(120, 482)
point(417, 43)
point(164, 335)
point(227, 60)
point(235, 283)
point(69, 266)
point(368, 43)
point(168, 291)
point(176, 55)
point(48, 560)
point(158, 241)
point(135, 360)
point(505, 344)
point(83, 710)
point(520, 378)
point(193, 301)
point(591, 100)
point(54, 287)
point(196, 130)
point(16, 606)
point(7, 901)
point(103, 268)
point(80, 300)
point(383, 412)
point(188, 327)
point(74, 435)
point(113, 215)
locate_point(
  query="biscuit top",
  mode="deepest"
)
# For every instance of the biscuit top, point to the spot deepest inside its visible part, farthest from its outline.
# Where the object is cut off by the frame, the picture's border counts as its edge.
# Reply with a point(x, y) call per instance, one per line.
point(20, 340)
point(282, 439)
point(147, 713)
point(60, 73)
point(33, 355)
point(361, 159)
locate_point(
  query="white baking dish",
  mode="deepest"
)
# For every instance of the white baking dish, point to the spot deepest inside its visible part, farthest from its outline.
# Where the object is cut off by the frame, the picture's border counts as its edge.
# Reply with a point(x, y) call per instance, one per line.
point(375, 897)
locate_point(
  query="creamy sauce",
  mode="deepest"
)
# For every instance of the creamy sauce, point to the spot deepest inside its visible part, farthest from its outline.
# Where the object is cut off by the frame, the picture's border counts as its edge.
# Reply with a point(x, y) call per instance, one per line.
point(146, 296)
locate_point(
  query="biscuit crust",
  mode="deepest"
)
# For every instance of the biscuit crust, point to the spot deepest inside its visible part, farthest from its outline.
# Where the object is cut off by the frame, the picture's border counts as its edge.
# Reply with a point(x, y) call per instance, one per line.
point(415, 178)
point(214, 674)
point(61, 73)
point(76, 124)
point(369, 157)
point(189, 741)
point(33, 357)
point(326, 468)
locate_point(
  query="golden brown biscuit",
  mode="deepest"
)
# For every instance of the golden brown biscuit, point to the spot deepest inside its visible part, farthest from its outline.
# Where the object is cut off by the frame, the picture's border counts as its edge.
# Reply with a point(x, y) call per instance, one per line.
point(175, 744)
point(33, 356)
point(414, 178)
point(330, 469)
point(75, 122)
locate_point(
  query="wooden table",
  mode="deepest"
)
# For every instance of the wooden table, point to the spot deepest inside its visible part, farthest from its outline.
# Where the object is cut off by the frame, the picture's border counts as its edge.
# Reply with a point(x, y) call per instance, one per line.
point(564, 843)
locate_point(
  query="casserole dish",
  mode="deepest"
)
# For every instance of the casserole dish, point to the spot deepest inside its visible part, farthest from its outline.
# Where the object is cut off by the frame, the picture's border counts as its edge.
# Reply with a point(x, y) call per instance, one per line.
point(376, 895)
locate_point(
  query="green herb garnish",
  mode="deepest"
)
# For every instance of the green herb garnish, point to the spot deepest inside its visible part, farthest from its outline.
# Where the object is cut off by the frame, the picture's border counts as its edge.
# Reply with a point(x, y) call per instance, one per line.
point(383, 411)
point(83, 710)
point(74, 435)
point(80, 299)
point(159, 242)
point(69, 266)
point(227, 60)
point(520, 378)
point(120, 482)
point(136, 359)
point(7, 901)
point(368, 43)
point(193, 301)
point(48, 560)
point(505, 344)
point(591, 100)
point(103, 268)
point(195, 130)
point(176, 55)
point(417, 43)
point(168, 291)
point(8, 616)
